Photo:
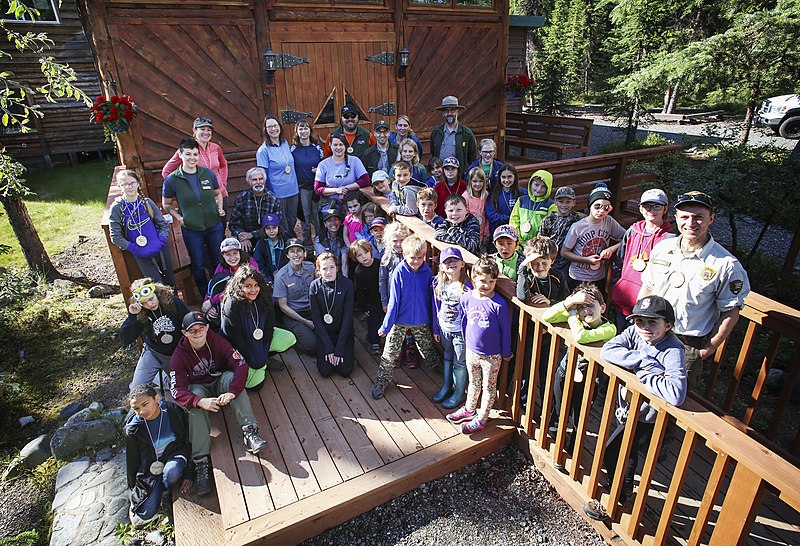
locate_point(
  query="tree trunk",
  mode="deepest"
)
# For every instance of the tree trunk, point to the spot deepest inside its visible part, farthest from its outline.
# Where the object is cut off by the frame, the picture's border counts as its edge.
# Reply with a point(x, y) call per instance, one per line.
point(32, 247)
point(734, 232)
point(673, 99)
point(633, 122)
point(760, 237)
point(748, 121)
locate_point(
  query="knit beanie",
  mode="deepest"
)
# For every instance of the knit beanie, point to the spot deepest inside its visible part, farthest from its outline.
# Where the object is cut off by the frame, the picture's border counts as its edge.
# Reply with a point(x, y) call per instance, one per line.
point(600, 191)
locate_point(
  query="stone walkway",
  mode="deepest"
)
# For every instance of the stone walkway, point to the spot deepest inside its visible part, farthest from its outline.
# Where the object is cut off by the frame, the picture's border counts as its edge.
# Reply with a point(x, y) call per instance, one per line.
point(91, 499)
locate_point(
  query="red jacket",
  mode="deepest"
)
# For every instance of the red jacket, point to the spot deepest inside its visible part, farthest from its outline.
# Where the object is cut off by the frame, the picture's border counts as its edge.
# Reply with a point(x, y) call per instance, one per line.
point(443, 191)
point(217, 356)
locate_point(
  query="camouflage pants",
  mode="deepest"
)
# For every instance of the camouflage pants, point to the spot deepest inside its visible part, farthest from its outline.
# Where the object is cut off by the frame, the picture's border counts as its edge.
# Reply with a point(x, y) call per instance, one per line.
point(483, 370)
point(423, 339)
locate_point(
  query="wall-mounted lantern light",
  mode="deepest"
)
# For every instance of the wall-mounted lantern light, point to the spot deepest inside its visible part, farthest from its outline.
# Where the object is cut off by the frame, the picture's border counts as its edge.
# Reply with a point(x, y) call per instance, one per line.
point(403, 64)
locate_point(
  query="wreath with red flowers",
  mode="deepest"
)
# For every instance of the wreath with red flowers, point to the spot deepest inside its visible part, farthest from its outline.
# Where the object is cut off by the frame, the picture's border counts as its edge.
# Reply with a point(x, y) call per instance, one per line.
point(518, 85)
point(116, 114)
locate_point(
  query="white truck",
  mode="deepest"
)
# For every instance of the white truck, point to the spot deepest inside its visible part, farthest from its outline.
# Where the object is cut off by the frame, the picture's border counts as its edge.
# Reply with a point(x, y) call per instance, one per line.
point(782, 115)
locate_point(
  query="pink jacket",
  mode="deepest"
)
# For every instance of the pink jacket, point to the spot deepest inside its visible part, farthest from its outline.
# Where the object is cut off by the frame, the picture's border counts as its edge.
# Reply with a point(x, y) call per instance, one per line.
point(211, 158)
point(635, 244)
point(477, 206)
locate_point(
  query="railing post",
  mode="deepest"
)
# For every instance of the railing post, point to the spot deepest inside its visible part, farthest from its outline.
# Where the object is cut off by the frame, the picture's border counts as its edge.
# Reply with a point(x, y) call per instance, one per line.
point(742, 504)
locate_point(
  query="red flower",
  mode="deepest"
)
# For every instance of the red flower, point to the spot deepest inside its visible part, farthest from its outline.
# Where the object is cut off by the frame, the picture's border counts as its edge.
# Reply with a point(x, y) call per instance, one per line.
point(99, 117)
point(101, 99)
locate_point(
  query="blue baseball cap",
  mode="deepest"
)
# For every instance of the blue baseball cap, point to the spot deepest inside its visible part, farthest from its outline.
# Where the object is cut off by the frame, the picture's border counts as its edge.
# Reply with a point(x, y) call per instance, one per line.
point(270, 220)
point(450, 252)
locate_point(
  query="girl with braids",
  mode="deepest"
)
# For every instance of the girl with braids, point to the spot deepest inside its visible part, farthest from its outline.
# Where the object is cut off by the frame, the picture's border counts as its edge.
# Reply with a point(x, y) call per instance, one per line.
point(248, 319)
point(136, 225)
point(155, 315)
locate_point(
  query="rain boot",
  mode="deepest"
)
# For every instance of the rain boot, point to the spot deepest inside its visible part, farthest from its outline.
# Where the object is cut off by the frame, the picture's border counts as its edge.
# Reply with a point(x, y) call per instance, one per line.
point(447, 387)
point(460, 380)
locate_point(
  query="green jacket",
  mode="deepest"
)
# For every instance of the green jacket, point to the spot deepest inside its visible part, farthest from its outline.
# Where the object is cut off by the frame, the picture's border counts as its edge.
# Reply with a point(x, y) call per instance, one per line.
point(529, 210)
point(580, 331)
point(466, 145)
point(197, 215)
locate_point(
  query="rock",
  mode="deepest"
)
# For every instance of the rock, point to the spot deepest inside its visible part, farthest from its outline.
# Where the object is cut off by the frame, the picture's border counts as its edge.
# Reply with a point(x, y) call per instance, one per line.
point(104, 454)
point(68, 411)
point(36, 451)
point(88, 532)
point(27, 420)
point(73, 438)
point(100, 291)
point(84, 415)
point(64, 494)
point(776, 378)
point(118, 415)
point(155, 537)
point(65, 527)
point(71, 471)
point(63, 284)
point(96, 406)
point(14, 469)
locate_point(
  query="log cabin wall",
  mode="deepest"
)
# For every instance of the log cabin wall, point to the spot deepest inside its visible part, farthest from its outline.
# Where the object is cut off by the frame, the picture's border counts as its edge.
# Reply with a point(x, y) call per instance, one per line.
point(182, 60)
point(65, 130)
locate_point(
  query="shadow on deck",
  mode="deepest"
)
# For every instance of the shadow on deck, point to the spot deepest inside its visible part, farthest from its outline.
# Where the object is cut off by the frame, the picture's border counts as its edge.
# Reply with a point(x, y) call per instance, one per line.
point(333, 453)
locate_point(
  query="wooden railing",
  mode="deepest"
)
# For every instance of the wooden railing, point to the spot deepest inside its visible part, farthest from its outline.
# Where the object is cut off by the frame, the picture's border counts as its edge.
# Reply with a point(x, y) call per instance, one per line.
point(721, 479)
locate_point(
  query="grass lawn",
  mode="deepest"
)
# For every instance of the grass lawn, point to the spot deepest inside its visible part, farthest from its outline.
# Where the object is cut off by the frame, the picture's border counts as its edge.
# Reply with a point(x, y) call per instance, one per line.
point(69, 202)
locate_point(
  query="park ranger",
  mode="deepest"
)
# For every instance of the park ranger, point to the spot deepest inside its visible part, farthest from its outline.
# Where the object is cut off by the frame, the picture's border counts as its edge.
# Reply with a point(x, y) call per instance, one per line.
point(705, 283)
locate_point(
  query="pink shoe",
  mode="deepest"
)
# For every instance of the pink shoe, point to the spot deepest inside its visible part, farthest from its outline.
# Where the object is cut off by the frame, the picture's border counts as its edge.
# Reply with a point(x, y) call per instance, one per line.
point(461, 415)
point(472, 426)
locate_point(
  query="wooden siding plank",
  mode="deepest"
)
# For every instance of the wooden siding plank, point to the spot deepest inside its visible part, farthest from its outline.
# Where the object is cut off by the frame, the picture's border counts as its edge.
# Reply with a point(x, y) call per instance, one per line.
point(226, 474)
point(251, 475)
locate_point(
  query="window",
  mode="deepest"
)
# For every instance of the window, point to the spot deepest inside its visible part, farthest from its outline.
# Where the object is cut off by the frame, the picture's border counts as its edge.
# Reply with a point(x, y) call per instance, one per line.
point(46, 8)
point(457, 3)
point(12, 104)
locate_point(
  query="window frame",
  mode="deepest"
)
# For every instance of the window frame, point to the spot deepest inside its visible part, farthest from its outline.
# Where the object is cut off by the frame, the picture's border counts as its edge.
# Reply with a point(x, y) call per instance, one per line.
point(452, 6)
point(53, 6)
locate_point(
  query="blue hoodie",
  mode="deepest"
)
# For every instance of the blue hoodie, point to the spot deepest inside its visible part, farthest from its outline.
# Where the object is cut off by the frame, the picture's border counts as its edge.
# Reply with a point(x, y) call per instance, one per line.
point(409, 297)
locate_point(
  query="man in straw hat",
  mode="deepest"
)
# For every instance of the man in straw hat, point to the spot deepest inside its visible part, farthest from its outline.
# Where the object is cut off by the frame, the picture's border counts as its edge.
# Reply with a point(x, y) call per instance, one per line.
point(451, 138)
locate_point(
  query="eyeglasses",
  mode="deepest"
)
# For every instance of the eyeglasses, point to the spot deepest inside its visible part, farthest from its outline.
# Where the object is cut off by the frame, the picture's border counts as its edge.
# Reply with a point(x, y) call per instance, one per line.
point(487, 152)
point(350, 116)
point(652, 207)
point(275, 126)
point(599, 206)
point(130, 183)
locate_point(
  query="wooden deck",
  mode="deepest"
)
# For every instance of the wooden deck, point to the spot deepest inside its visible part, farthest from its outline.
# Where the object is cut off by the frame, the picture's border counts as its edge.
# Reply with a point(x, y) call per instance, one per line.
point(776, 524)
point(333, 453)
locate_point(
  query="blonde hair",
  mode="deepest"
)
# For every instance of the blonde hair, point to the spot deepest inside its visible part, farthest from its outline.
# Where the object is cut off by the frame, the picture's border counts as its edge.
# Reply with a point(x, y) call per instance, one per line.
point(477, 171)
point(541, 245)
point(427, 194)
point(321, 258)
point(486, 141)
point(414, 244)
point(408, 120)
point(391, 232)
point(442, 280)
point(409, 142)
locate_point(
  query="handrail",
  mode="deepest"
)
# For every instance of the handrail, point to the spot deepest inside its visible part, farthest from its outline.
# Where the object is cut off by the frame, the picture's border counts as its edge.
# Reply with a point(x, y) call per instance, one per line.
point(757, 471)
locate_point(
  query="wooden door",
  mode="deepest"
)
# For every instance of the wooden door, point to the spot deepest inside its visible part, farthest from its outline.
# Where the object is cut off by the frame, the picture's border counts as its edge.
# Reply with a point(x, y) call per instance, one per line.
point(337, 73)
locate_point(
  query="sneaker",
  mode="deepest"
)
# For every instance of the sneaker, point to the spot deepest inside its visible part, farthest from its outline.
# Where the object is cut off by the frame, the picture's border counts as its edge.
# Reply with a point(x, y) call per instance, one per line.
point(379, 388)
point(472, 426)
point(137, 522)
point(411, 358)
point(252, 441)
point(202, 480)
point(275, 365)
point(461, 415)
point(595, 510)
point(375, 348)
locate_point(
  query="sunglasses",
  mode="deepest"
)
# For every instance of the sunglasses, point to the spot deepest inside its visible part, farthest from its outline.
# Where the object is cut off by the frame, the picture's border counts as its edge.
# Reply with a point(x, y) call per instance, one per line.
point(350, 116)
point(602, 207)
point(143, 292)
point(652, 207)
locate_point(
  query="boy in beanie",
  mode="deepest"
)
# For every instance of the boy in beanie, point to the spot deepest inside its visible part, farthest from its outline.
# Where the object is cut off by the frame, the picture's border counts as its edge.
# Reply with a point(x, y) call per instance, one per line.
point(530, 210)
point(588, 243)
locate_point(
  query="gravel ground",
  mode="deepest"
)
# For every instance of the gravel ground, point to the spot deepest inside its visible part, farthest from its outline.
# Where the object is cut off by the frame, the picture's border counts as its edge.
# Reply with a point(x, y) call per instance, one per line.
point(22, 505)
point(501, 499)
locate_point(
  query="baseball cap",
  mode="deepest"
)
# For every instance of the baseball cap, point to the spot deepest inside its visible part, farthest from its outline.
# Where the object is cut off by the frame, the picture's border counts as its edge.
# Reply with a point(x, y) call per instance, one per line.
point(330, 213)
point(381, 125)
point(380, 175)
point(450, 162)
point(270, 220)
point(654, 196)
point(565, 191)
point(203, 122)
point(600, 191)
point(653, 307)
point(378, 221)
point(450, 252)
point(191, 318)
point(230, 244)
point(506, 230)
point(347, 109)
point(294, 242)
point(694, 198)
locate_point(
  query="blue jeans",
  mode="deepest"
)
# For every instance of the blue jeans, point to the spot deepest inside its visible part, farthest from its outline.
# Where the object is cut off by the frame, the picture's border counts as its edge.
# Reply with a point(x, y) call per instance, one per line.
point(197, 244)
point(454, 349)
point(173, 471)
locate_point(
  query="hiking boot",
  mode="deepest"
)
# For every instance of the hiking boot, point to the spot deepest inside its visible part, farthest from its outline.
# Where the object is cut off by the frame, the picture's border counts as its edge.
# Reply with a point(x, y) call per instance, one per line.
point(252, 441)
point(461, 415)
point(472, 426)
point(379, 388)
point(275, 365)
point(595, 510)
point(202, 480)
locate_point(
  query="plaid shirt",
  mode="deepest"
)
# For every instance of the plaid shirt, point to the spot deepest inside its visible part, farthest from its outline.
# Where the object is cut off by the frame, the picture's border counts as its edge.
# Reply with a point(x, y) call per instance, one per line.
point(247, 214)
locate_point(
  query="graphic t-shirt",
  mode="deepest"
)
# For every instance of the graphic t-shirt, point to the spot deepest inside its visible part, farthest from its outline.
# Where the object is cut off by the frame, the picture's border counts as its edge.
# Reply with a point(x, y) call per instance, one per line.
point(587, 239)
